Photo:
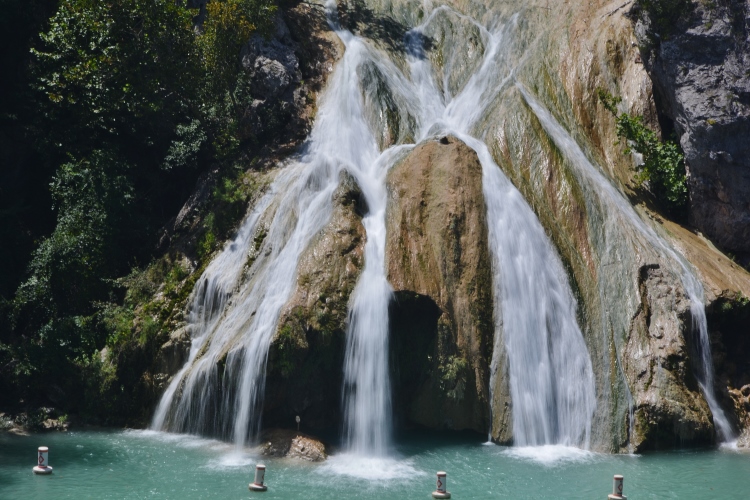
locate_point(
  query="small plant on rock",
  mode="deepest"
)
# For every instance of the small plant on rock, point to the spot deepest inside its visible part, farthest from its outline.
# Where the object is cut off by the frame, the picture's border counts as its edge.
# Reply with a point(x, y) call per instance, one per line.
point(663, 164)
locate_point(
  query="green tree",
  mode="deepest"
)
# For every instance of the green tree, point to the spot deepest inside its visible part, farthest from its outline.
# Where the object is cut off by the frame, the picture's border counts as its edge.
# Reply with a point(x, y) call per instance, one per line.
point(123, 71)
point(133, 104)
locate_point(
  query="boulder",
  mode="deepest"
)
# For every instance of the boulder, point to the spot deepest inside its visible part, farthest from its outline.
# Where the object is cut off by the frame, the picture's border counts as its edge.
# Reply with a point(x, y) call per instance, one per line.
point(291, 444)
point(438, 263)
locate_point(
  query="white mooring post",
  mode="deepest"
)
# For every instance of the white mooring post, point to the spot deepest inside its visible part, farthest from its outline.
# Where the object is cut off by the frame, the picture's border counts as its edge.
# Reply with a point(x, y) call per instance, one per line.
point(42, 461)
point(441, 491)
point(617, 489)
point(260, 475)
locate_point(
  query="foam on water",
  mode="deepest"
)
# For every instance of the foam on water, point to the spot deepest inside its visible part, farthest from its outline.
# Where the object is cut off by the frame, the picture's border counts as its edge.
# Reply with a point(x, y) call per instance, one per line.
point(550, 454)
point(181, 440)
point(233, 459)
point(371, 468)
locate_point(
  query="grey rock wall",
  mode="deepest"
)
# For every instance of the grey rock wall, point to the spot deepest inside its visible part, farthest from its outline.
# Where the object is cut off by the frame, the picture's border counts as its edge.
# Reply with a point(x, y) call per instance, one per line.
point(701, 75)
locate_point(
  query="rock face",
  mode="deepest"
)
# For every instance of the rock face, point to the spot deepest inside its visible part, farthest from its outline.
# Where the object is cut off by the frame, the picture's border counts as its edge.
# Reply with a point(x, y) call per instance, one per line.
point(291, 444)
point(306, 355)
point(273, 68)
point(286, 70)
point(173, 354)
point(438, 263)
point(669, 409)
point(701, 72)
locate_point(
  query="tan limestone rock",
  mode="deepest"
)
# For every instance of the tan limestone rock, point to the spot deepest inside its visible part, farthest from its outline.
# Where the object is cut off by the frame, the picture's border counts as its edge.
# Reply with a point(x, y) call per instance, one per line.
point(437, 249)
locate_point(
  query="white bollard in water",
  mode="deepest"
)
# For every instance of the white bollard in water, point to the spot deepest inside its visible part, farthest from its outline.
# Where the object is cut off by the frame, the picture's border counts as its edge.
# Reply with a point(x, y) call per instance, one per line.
point(617, 489)
point(442, 484)
point(260, 475)
point(42, 462)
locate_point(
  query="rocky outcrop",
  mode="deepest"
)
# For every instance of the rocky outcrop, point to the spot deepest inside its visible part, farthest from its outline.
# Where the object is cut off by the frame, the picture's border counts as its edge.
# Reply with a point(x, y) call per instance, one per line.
point(275, 77)
point(286, 72)
point(291, 444)
point(172, 355)
point(699, 60)
point(669, 409)
point(438, 263)
point(306, 355)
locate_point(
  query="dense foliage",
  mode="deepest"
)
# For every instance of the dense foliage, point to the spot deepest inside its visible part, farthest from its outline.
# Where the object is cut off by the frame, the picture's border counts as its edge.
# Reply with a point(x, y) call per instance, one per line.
point(663, 166)
point(126, 104)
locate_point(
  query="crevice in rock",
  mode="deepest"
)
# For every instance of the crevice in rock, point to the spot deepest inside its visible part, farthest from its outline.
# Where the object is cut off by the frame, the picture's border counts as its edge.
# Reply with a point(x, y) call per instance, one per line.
point(413, 347)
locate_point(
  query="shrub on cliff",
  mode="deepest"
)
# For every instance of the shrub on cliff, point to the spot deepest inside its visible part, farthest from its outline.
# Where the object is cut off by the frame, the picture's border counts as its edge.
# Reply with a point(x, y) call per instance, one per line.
point(663, 165)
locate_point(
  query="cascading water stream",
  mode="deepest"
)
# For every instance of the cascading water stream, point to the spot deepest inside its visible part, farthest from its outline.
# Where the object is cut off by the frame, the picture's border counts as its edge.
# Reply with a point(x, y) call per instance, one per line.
point(367, 393)
point(621, 210)
point(550, 373)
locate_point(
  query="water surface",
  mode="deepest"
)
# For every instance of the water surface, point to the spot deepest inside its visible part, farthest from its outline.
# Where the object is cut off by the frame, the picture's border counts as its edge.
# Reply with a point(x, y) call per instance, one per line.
point(145, 464)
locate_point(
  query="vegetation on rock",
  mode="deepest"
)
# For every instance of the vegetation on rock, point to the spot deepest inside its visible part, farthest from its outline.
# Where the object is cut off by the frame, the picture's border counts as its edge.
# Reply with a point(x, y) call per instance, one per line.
point(663, 166)
point(665, 15)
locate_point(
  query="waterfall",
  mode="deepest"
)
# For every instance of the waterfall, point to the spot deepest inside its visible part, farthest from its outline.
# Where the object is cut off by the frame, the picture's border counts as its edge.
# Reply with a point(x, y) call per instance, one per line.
point(236, 305)
point(623, 213)
point(233, 321)
point(236, 334)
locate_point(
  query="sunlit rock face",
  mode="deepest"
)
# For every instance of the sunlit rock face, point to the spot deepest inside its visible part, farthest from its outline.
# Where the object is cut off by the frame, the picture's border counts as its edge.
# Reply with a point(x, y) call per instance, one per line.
point(437, 250)
point(668, 409)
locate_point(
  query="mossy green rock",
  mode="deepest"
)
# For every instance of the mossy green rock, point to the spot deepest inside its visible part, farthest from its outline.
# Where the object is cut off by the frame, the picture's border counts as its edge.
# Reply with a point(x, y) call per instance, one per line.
point(306, 355)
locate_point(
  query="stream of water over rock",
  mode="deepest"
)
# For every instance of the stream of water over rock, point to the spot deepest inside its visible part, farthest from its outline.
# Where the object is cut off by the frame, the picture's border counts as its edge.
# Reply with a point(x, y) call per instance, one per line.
point(237, 302)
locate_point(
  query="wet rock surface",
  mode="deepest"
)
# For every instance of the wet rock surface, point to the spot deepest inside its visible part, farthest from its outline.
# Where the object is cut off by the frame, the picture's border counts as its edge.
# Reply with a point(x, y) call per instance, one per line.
point(669, 409)
point(438, 263)
point(306, 355)
point(291, 444)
